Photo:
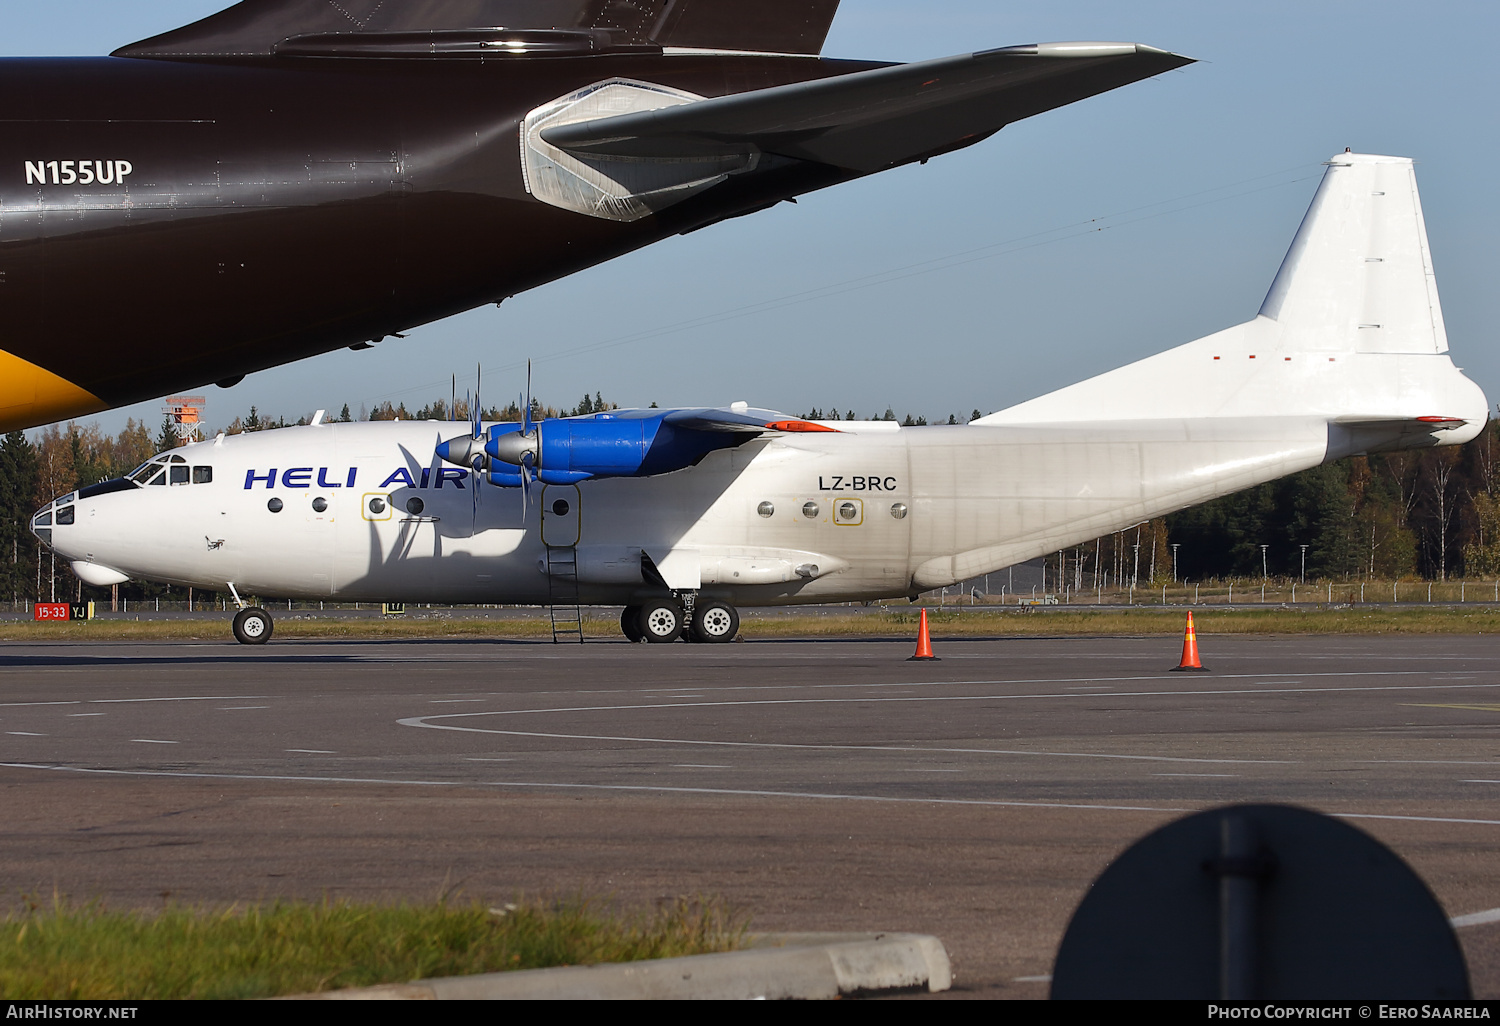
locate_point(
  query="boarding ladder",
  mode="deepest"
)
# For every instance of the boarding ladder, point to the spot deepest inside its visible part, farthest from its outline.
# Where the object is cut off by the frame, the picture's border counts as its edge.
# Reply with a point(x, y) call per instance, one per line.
point(562, 593)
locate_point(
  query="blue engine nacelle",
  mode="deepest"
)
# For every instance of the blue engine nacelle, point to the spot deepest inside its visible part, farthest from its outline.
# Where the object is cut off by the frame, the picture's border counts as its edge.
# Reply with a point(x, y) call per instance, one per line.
point(633, 444)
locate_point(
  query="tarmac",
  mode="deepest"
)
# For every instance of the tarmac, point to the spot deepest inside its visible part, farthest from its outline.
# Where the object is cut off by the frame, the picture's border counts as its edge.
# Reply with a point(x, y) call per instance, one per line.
point(818, 785)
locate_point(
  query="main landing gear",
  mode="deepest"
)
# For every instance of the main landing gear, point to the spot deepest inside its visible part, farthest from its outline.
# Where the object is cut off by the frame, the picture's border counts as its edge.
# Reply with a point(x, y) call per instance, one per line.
point(252, 626)
point(662, 621)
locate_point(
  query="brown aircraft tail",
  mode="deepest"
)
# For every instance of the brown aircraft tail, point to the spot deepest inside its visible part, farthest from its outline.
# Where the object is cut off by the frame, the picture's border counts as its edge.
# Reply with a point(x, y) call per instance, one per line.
point(259, 28)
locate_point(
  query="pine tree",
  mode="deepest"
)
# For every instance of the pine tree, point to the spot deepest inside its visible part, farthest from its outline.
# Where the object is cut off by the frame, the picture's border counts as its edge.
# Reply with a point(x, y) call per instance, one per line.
point(344, 415)
point(168, 439)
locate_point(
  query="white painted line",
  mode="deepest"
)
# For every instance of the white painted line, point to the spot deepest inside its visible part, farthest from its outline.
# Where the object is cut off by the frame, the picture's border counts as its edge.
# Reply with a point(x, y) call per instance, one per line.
point(77, 715)
point(698, 765)
point(1475, 919)
point(475, 758)
point(149, 741)
point(234, 708)
point(1033, 979)
point(457, 701)
point(1479, 781)
point(532, 785)
point(24, 733)
point(1428, 762)
point(200, 698)
point(1195, 774)
point(311, 751)
point(28, 705)
point(420, 721)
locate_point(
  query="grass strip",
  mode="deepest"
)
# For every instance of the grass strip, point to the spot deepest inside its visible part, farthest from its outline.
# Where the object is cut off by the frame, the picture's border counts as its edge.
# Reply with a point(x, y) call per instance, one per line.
point(886, 622)
point(89, 953)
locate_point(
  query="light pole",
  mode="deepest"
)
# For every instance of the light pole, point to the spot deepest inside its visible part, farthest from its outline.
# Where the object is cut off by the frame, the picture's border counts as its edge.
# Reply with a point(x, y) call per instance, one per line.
point(1263, 574)
point(1304, 564)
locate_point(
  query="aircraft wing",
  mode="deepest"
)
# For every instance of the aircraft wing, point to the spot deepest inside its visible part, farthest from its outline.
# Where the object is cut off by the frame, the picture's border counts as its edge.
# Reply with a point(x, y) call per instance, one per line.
point(749, 422)
point(871, 120)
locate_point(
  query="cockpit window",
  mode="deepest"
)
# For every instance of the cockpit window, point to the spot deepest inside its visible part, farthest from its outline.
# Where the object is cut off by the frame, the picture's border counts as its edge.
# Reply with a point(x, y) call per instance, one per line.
point(176, 459)
point(44, 520)
point(160, 478)
point(142, 474)
point(65, 515)
point(203, 475)
point(179, 474)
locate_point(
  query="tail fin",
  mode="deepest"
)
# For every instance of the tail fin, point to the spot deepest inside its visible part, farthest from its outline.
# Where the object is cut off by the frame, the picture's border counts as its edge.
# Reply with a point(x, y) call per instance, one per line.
point(1359, 277)
point(255, 27)
point(1351, 332)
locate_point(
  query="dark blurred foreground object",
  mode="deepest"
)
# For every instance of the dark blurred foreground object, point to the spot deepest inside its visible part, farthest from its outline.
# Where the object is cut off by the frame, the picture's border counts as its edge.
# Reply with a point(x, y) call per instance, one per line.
point(1260, 902)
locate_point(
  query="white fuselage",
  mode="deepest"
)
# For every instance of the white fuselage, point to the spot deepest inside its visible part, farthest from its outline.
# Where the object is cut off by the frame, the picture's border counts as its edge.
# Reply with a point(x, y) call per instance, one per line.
point(975, 499)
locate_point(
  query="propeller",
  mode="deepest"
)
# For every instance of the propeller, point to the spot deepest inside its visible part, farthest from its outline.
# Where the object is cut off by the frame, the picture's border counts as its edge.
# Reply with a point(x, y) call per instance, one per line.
point(478, 459)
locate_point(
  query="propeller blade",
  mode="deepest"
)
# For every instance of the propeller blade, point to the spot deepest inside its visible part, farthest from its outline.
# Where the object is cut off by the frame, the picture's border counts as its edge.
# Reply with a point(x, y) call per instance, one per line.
point(474, 410)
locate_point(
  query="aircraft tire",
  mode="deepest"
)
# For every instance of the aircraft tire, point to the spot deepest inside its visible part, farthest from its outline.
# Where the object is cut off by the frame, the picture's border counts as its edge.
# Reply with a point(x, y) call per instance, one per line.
point(715, 623)
point(660, 622)
point(253, 626)
point(630, 624)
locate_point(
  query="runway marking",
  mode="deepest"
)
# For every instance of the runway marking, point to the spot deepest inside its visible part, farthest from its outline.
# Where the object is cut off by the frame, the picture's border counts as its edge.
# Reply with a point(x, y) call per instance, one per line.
point(148, 741)
point(457, 701)
point(1480, 708)
point(1033, 979)
point(730, 792)
point(697, 765)
point(78, 715)
point(236, 708)
point(1195, 774)
point(474, 758)
point(1475, 919)
point(572, 711)
point(25, 733)
point(311, 751)
point(1426, 762)
point(27, 705)
point(418, 721)
point(185, 698)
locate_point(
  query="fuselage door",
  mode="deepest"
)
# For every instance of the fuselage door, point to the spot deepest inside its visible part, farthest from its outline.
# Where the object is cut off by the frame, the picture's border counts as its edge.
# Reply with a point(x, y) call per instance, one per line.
point(560, 520)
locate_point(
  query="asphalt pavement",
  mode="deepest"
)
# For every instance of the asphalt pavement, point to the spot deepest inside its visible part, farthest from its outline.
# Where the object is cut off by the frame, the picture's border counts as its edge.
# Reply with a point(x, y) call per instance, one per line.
point(818, 785)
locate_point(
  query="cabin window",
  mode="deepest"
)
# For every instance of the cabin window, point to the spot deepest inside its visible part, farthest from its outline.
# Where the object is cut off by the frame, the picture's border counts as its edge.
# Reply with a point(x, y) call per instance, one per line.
point(275, 506)
point(560, 508)
point(377, 506)
point(899, 511)
point(810, 510)
point(766, 509)
point(320, 505)
point(203, 475)
point(65, 515)
point(179, 474)
point(415, 506)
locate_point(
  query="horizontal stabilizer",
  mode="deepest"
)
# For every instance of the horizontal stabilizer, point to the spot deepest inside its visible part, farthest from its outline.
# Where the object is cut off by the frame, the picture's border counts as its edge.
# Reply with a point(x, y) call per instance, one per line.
point(256, 28)
point(875, 119)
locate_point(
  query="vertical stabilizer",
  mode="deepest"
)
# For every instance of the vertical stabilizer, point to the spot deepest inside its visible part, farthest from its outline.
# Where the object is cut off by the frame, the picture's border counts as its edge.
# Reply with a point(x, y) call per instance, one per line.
point(1359, 276)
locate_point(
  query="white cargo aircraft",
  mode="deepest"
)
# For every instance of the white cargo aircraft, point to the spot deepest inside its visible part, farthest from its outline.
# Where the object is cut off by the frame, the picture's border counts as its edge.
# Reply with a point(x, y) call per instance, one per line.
point(683, 515)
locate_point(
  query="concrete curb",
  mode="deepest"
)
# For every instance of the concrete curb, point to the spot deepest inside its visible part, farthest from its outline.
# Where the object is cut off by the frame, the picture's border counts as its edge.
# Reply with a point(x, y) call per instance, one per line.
point(775, 966)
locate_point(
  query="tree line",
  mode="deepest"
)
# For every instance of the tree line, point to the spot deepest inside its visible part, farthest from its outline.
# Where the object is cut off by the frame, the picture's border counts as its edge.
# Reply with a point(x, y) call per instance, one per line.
point(1426, 513)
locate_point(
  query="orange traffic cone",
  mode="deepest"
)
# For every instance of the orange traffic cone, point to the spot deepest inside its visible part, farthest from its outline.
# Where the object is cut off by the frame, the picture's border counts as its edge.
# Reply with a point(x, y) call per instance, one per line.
point(924, 643)
point(1190, 660)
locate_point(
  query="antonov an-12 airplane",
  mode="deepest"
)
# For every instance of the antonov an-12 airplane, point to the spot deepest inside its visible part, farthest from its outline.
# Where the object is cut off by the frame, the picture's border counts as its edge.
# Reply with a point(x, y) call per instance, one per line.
point(683, 515)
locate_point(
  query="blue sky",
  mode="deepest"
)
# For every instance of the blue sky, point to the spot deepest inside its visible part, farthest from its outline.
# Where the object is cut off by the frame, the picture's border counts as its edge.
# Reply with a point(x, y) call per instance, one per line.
point(1066, 245)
